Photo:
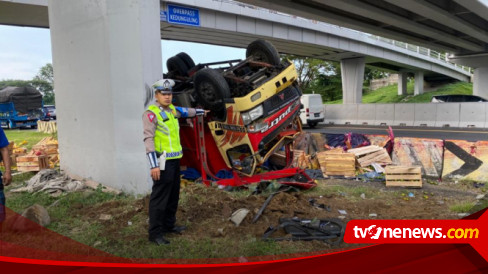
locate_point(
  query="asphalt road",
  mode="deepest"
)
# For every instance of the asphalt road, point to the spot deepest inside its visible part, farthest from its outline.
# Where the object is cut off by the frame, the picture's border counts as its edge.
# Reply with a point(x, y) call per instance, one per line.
point(468, 134)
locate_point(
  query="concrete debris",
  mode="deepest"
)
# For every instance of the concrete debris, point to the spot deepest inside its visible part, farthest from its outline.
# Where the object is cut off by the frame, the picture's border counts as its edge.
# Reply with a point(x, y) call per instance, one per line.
point(341, 217)
point(363, 196)
point(243, 259)
point(35, 213)
point(480, 196)
point(462, 215)
point(373, 215)
point(51, 181)
point(220, 231)
point(239, 215)
point(343, 212)
point(105, 217)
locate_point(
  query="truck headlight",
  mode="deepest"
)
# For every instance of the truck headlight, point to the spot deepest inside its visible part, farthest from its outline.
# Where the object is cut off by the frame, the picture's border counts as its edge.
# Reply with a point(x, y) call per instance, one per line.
point(253, 114)
point(258, 127)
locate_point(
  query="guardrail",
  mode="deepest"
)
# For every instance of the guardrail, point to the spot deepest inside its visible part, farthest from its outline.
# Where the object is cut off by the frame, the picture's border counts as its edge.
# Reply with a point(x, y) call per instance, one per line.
point(421, 50)
point(466, 115)
point(410, 47)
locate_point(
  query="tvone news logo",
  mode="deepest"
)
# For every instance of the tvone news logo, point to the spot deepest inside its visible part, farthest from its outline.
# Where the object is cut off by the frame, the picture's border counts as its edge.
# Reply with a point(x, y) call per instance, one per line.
point(375, 232)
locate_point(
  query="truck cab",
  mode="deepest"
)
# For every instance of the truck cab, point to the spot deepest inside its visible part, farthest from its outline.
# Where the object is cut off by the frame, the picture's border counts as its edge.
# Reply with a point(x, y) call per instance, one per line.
point(254, 106)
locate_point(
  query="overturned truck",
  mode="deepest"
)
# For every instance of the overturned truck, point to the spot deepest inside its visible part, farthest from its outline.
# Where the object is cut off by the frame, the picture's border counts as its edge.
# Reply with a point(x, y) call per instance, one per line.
point(254, 106)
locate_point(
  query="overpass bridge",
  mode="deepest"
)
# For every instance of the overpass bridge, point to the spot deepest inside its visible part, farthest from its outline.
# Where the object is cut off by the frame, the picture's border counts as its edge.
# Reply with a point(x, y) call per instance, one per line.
point(107, 52)
point(459, 27)
point(235, 24)
point(230, 23)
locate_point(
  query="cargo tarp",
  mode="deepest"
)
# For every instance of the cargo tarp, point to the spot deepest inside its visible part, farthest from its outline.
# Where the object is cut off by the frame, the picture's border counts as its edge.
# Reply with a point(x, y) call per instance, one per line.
point(25, 99)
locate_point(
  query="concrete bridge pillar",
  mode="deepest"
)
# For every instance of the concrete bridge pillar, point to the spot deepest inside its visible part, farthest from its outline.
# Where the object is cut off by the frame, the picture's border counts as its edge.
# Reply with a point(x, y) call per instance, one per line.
point(352, 71)
point(104, 54)
point(419, 83)
point(480, 82)
point(402, 83)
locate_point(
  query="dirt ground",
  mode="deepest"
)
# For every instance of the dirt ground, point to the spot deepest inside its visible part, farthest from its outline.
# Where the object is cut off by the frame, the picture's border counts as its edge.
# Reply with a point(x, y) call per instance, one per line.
point(206, 210)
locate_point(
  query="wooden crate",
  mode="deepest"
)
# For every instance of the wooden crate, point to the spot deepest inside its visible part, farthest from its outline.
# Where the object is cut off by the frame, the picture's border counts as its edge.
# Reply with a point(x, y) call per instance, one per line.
point(371, 154)
point(300, 159)
point(13, 159)
point(32, 163)
point(47, 146)
point(337, 162)
point(410, 176)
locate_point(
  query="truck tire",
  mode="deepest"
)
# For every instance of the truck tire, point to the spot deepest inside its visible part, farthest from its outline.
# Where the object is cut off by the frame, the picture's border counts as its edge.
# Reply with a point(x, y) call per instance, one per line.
point(263, 51)
point(177, 66)
point(211, 89)
point(312, 124)
point(186, 59)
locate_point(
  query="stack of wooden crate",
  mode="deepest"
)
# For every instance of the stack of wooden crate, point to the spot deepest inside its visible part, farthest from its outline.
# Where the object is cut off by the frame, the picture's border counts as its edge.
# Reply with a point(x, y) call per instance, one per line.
point(337, 162)
point(14, 153)
point(371, 154)
point(48, 146)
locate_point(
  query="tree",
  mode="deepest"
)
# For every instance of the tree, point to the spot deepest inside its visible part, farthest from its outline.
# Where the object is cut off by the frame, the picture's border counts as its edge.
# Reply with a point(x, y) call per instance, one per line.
point(329, 84)
point(307, 69)
point(373, 73)
point(44, 82)
point(14, 83)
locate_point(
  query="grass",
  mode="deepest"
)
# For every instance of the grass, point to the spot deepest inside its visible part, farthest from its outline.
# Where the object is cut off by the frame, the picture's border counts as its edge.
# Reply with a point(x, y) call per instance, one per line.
point(66, 221)
point(389, 94)
point(349, 192)
point(462, 207)
point(19, 135)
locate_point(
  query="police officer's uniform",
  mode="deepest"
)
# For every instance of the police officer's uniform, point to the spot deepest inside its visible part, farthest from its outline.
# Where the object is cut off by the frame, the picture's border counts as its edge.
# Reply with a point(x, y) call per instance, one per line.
point(162, 136)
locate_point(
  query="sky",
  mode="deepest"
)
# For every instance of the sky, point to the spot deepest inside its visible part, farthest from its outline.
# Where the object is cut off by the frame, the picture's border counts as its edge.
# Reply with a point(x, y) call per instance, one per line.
point(24, 50)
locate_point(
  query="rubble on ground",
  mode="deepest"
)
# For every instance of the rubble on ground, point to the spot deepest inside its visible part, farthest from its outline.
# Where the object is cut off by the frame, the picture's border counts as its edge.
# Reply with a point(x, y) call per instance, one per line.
point(51, 181)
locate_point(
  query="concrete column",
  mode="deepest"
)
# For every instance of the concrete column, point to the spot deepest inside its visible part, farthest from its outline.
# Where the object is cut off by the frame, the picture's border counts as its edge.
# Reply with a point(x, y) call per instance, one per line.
point(402, 83)
point(419, 83)
point(480, 82)
point(105, 53)
point(352, 71)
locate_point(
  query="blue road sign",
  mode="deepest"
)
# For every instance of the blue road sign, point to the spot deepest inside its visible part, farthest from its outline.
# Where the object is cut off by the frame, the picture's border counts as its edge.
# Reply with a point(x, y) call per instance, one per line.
point(183, 16)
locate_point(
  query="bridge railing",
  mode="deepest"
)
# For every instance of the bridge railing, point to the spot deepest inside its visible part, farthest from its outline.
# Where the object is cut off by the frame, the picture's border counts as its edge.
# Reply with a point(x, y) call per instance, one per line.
point(421, 50)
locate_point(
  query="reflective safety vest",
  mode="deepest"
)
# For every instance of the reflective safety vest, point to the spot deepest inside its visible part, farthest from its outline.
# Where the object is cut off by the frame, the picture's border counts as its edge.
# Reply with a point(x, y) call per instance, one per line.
point(167, 135)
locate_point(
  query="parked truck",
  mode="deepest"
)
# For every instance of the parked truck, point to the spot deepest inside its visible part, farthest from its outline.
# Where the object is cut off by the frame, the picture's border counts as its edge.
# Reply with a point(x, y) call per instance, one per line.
point(20, 107)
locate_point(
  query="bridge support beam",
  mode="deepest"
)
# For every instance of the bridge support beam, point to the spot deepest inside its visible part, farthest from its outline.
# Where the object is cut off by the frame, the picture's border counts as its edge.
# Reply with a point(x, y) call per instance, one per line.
point(480, 82)
point(402, 83)
point(419, 83)
point(352, 71)
point(104, 54)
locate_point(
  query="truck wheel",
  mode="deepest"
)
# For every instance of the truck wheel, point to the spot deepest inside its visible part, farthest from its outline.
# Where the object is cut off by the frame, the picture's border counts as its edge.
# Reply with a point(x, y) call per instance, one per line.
point(263, 51)
point(211, 89)
point(312, 124)
point(186, 59)
point(177, 66)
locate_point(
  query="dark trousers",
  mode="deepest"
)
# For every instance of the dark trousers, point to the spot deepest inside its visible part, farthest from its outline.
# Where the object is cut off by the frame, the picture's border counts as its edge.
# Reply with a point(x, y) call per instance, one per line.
point(163, 203)
point(2, 202)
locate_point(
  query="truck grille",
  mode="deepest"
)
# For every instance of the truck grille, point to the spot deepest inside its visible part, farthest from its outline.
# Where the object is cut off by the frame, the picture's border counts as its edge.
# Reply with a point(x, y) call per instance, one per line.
point(281, 99)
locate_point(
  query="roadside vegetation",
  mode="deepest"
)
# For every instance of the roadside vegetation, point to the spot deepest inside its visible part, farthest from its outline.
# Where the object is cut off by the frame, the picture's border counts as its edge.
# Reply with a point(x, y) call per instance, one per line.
point(389, 94)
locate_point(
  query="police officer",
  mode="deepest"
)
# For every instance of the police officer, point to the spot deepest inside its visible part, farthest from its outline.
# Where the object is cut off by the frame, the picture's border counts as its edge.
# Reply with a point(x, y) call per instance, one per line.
point(163, 148)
